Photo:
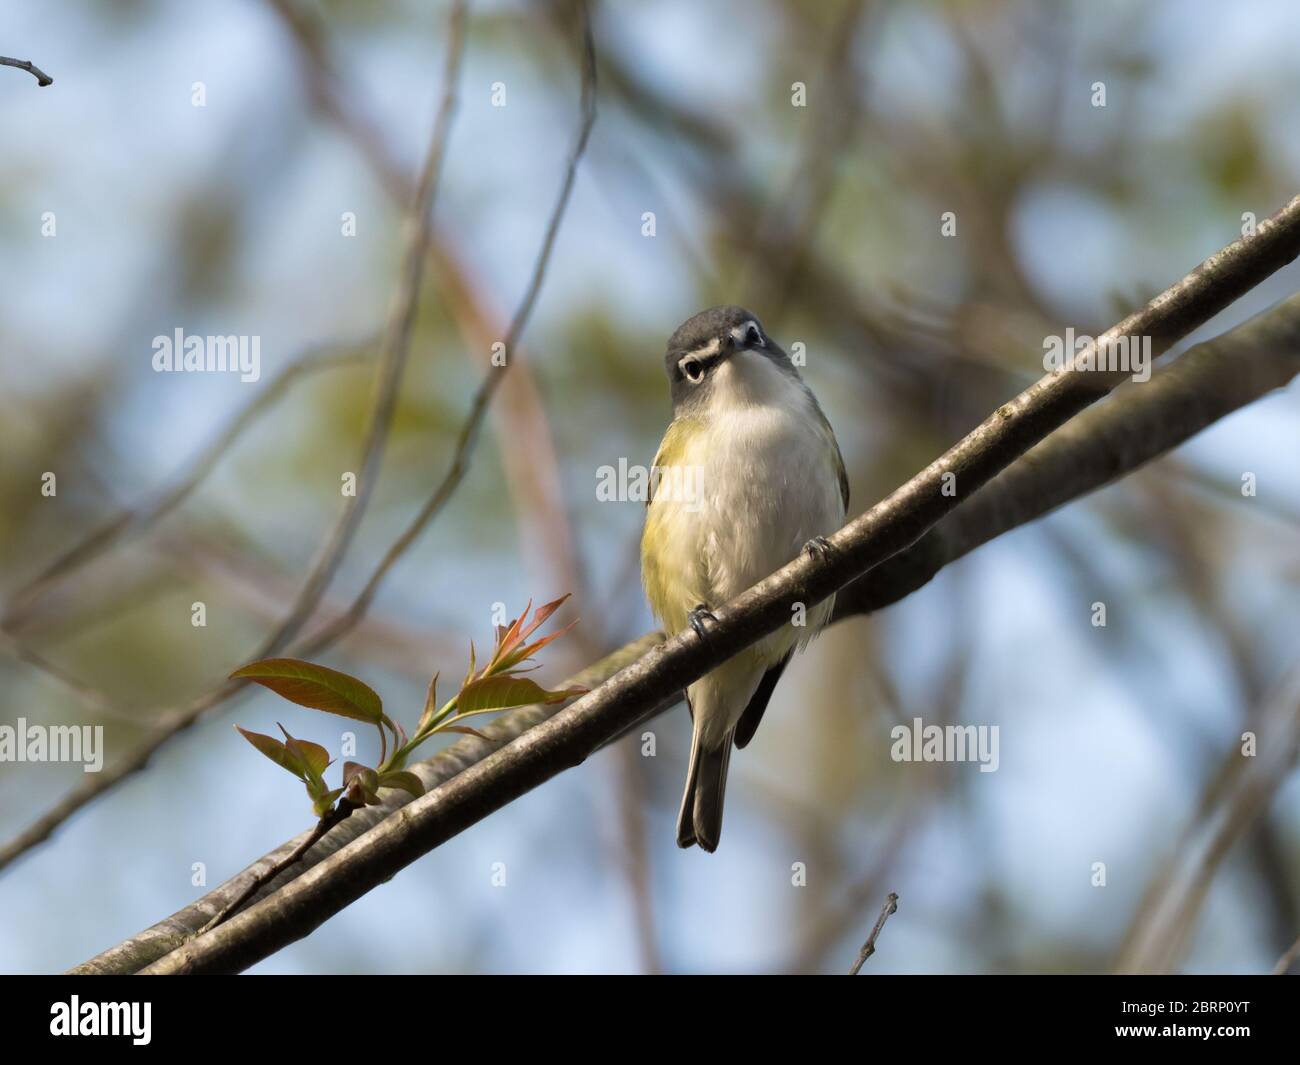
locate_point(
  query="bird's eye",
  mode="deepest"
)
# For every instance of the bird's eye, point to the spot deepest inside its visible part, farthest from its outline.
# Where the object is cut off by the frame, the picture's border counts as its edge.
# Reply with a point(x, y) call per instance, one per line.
point(753, 338)
point(692, 368)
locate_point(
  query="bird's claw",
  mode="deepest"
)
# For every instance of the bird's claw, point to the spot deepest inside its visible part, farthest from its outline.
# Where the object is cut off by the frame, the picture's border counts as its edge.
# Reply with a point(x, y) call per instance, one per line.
point(819, 547)
point(698, 617)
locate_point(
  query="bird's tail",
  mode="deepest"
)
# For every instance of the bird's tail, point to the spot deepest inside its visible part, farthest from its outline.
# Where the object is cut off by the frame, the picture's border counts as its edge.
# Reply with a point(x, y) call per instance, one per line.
point(700, 818)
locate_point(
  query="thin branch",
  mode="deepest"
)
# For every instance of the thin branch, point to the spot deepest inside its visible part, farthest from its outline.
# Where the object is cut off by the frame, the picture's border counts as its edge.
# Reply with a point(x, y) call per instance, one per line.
point(493, 378)
point(136, 519)
point(42, 79)
point(394, 352)
point(345, 622)
point(335, 816)
point(641, 688)
point(869, 947)
point(391, 363)
point(1166, 918)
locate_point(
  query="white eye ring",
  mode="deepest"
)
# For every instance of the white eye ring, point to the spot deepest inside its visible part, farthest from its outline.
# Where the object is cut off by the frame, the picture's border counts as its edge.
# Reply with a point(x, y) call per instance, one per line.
point(692, 369)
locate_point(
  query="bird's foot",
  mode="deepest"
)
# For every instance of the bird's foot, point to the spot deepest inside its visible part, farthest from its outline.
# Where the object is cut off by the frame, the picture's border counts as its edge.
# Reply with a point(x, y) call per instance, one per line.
point(819, 547)
point(698, 617)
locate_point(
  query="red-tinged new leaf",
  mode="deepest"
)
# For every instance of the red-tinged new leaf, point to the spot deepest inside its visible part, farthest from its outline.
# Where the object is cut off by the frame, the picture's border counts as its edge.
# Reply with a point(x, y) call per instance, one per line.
point(317, 687)
point(527, 651)
point(273, 749)
point(503, 692)
point(544, 612)
point(509, 638)
point(405, 780)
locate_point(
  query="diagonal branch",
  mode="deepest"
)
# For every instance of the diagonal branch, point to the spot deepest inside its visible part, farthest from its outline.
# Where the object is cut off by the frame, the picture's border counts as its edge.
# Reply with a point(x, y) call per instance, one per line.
point(654, 680)
point(340, 626)
point(148, 512)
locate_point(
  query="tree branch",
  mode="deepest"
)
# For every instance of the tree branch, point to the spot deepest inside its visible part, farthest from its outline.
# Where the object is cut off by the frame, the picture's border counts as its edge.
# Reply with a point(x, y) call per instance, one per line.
point(42, 79)
point(1141, 422)
point(654, 680)
point(869, 947)
point(392, 361)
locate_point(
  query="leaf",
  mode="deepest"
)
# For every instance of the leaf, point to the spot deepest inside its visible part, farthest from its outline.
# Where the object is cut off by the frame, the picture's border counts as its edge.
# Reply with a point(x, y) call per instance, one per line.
point(469, 676)
point(430, 705)
point(511, 647)
point(544, 612)
point(405, 780)
point(273, 749)
point(531, 649)
point(317, 687)
point(503, 692)
point(311, 758)
point(508, 638)
point(469, 731)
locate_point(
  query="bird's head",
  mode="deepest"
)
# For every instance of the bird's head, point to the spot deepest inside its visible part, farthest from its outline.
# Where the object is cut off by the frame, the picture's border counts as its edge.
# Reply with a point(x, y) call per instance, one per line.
point(724, 354)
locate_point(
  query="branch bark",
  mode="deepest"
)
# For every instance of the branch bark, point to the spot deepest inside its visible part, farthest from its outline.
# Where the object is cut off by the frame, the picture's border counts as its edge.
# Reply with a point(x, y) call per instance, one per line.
point(42, 79)
point(1256, 357)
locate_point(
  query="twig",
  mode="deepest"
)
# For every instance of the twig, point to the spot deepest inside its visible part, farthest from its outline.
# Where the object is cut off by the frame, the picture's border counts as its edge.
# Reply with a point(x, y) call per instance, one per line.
point(138, 518)
point(392, 360)
point(337, 815)
point(869, 947)
point(1158, 936)
point(492, 379)
point(1208, 382)
point(42, 79)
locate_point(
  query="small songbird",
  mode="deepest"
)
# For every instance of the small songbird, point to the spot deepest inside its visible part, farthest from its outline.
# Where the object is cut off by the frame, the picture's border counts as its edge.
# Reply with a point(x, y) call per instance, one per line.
point(749, 474)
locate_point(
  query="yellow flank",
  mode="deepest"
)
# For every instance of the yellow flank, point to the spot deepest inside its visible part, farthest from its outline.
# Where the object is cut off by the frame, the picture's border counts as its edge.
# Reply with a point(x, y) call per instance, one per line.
point(670, 567)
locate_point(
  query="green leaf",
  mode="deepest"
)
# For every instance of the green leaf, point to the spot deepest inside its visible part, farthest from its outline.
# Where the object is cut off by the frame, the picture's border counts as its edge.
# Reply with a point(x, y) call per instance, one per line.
point(317, 687)
point(311, 758)
point(274, 750)
point(503, 692)
point(362, 783)
point(406, 781)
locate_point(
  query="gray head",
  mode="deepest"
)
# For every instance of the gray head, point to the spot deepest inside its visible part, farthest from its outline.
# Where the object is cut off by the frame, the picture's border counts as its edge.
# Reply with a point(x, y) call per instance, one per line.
point(704, 343)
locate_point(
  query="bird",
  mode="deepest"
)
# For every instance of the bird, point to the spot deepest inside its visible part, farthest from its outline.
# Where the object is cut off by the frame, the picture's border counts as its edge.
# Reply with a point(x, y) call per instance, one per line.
point(748, 476)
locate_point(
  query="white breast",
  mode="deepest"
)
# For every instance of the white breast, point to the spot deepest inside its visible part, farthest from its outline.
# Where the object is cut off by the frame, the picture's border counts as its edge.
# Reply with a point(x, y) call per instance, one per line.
point(769, 484)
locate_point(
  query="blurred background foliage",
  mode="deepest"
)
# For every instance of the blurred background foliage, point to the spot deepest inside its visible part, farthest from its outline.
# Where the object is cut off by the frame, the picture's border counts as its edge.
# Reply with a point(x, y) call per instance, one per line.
point(825, 220)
